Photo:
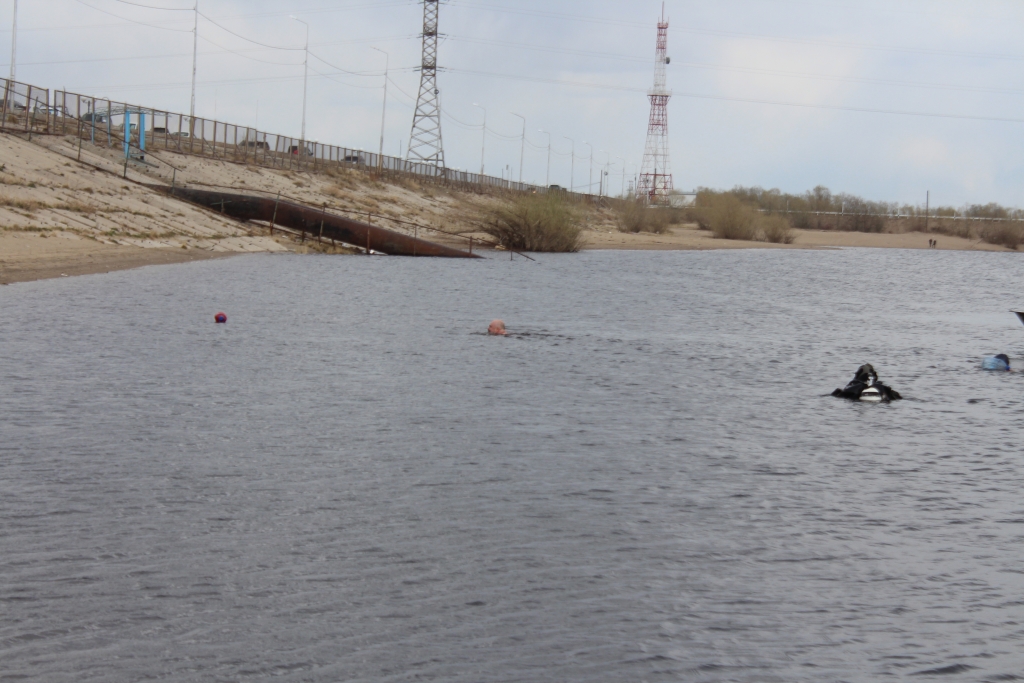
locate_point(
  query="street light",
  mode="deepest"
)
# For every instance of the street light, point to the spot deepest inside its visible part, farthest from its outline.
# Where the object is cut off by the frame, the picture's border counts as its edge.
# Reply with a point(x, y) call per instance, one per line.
point(305, 80)
point(590, 178)
point(522, 147)
point(604, 173)
point(383, 111)
point(14, 42)
point(195, 55)
point(483, 140)
point(572, 176)
point(547, 178)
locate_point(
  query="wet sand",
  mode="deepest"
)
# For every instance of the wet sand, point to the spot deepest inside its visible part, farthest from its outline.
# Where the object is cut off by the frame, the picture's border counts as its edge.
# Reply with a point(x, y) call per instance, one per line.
point(26, 256)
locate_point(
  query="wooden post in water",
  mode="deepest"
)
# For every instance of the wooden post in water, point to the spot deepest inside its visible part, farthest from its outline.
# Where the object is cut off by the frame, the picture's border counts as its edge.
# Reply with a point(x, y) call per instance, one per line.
point(320, 239)
point(274, 219)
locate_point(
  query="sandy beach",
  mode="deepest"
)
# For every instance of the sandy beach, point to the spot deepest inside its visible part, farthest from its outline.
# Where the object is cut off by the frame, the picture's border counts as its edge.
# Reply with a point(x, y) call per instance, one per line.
point(26, 256)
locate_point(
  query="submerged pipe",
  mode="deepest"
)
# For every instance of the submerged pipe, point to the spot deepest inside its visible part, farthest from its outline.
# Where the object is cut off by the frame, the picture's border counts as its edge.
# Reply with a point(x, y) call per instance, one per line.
point(314, 221)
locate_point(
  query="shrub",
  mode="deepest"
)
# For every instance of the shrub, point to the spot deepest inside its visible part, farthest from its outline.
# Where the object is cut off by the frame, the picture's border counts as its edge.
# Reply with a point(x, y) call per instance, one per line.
point(730, 219)
point(776, 229)
point(638, 217)
point(536, 223)
point(1004, 234)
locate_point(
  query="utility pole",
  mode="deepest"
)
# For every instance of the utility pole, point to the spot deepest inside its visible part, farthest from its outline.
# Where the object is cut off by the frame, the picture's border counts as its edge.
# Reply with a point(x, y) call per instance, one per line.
point(604, 173)
point(927, 208)
point(572, 176)
point(14, 44)
point(623, 173)
point(522, 147)
point(547, 178)
point(483, 140)
point(195, 55)
point(590, 179)
point(384, 109)
point(305, 83)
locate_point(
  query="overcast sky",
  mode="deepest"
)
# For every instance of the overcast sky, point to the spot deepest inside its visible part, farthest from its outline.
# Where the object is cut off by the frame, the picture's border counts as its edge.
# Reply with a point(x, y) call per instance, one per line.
point(885, 99)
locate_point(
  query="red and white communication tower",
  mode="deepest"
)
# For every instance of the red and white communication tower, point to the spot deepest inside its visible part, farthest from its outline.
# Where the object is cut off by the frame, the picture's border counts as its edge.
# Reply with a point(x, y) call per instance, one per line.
point(656, 173)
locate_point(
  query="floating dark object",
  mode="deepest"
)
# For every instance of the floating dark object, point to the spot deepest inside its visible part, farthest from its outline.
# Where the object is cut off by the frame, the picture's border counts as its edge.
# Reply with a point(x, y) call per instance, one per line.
point(314, 221)
point(221, 318)
point(865, 387)
point(1019, 314)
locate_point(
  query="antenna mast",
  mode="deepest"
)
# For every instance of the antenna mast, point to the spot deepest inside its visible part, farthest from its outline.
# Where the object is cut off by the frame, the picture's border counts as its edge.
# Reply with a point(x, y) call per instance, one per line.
point(425, 140)
point(656, 173)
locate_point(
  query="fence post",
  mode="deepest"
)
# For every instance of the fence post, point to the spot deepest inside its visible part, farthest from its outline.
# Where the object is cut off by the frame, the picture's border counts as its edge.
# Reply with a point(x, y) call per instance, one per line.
point(7, 92)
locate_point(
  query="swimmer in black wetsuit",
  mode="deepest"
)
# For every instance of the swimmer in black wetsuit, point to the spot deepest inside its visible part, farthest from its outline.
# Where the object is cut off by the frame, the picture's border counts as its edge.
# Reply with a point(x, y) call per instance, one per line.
point(867, 378)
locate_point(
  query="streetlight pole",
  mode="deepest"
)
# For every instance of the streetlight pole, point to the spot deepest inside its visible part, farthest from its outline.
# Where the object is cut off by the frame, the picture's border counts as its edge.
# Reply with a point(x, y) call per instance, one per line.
point(623, 174)
point(305, 82)
point(590, 178)
point(195, 55)
point(547, 178)
point(14, 43)
point(384, 109)
point(522, 147)
point(483, 140)
point(605, 171)
point(572, 176)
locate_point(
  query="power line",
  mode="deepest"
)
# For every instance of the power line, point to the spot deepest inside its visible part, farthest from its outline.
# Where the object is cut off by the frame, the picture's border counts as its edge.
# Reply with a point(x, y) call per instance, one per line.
point(469, 4)
point(743, 69)
point(132, 21)
point(166, 9)
point(722, 98)
point(250, 40)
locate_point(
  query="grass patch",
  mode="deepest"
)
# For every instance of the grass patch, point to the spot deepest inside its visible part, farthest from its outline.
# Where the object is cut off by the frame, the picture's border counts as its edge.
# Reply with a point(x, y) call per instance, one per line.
point(29, 205)
point(544, 223)
point(638, 217)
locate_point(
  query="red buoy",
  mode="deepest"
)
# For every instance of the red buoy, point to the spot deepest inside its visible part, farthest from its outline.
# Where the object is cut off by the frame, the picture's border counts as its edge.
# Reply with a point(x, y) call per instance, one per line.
point(221, 317)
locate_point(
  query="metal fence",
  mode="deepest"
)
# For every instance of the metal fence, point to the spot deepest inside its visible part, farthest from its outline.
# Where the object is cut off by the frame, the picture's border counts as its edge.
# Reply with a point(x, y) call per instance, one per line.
point(31, 109)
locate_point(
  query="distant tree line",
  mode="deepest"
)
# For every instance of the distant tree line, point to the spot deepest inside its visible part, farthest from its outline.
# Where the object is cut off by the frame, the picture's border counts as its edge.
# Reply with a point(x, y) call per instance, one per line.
point(820, 209)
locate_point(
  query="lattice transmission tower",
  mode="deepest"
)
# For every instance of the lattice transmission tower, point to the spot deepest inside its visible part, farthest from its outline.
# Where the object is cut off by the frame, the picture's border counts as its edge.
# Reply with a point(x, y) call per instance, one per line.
point(656, 173)
point(425, 143)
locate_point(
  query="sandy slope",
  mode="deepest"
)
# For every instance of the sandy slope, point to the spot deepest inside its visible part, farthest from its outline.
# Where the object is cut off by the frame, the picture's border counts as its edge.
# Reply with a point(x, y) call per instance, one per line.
point(59, 216)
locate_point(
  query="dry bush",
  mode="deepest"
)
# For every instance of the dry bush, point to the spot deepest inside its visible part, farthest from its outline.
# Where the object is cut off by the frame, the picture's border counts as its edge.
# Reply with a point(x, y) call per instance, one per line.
point(535, 223)
point(776, 229)
point(638, 217)
point(23, 204)
point(1003, 234)
point(730, 219)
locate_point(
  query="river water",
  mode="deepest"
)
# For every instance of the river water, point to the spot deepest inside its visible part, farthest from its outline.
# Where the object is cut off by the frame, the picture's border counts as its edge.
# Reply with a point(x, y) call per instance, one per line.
point(646, 482)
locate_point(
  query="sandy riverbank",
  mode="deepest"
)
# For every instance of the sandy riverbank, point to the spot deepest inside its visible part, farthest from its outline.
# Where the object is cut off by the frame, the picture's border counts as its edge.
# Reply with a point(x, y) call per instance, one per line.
point(691, 238)
point(26, 256)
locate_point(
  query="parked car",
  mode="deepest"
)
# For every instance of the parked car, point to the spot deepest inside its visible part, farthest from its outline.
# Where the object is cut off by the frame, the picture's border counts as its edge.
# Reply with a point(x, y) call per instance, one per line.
point(50, 110)
point(94, 117)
